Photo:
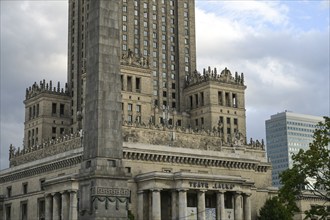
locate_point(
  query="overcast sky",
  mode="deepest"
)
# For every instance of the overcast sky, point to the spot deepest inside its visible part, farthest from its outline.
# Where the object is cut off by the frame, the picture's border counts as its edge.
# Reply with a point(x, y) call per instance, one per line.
point(282, 47)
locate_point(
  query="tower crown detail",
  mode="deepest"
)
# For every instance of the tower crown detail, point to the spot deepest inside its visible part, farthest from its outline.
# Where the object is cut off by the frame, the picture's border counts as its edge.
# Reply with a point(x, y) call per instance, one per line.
point(43, 87)
point(212, 75)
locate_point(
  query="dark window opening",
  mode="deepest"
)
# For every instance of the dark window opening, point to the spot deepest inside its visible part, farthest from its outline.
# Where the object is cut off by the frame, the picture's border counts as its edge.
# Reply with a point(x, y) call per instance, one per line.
point(61, 109)
point(129, 83)
point(202, 98)
point(138, 84)
point(54, 106)
point(9, 191)
point(220, 101)
point(25, 188)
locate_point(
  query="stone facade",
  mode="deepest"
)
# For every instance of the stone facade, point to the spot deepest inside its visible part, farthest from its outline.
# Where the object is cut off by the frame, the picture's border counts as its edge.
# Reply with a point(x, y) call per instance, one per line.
point(145, 133)
point(166, 181)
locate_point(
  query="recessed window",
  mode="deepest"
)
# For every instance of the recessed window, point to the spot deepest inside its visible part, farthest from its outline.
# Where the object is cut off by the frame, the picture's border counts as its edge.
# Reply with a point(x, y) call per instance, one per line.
point(25, 188)
point(9, 191)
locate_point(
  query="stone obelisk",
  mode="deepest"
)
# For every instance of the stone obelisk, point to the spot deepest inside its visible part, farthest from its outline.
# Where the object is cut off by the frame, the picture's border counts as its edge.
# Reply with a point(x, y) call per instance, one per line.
point(103, 191)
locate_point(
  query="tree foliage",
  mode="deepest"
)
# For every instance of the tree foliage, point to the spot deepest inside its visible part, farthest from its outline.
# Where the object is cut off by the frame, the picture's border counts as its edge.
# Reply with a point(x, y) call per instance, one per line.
point(310, 171)
point(274, 210)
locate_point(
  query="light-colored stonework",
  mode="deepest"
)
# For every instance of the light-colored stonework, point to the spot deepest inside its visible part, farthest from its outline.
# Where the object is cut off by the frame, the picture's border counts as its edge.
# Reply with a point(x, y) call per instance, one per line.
point(137, 129)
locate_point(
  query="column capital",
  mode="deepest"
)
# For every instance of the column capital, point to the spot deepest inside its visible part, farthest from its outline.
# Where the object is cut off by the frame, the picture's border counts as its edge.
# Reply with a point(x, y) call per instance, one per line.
point(201, 190)
point(140, 191)
point(238, 193)
point(182, 190)
point(247, 194)
point(156, 190)
point(72, 191)
point(48, 195)
point(221, 191)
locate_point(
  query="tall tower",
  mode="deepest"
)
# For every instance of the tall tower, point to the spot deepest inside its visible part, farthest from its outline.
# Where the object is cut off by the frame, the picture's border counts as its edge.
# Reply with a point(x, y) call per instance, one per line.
point(102, 182)
point(162, 31)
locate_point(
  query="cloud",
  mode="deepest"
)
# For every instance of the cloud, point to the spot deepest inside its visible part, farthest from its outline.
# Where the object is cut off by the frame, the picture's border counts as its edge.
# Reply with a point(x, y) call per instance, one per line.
point(33, 47)
point(285, 66)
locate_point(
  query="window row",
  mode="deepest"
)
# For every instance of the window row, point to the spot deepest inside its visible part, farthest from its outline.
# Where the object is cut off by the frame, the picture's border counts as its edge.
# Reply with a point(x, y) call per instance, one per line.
point(33, 111)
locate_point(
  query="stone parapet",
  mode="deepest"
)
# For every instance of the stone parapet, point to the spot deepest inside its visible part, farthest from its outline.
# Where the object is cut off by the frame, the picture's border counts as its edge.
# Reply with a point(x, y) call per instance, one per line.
point(48, 148)
point(211, 75)
point(145, 134)
point(183, 137)
point(44, 87)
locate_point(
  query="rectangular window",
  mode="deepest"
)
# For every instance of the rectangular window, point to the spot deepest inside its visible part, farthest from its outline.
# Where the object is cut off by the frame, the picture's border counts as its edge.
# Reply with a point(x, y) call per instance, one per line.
point(25, 188)
point(138, 108)
point(122, 82)
point(8, 211)
point(129, 83)
point(129, 118)
point(235, 121)
point(24, 211)
point(41, 181)
point(129, 107)
point(61, 109)
point(9, 191)
point(41, 209)
point(228, 120)
point(196, 99)
point(54, 130)
point(138, 84)
point(202, 98)
point(191, 102)
point(37, 110)
point(54, 106)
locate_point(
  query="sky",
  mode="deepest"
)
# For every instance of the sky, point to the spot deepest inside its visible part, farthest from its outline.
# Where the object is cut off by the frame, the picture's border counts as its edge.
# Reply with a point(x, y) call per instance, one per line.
point(282, 47)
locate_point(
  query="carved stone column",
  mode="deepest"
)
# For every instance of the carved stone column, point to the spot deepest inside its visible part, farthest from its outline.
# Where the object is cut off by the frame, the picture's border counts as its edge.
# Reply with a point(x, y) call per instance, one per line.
point(48, 206)
point(224, 101)
point(73, 211)
point(247, 206)
point(230, 99)
point(221, 205)
point(56, 206)
point(156, 205)
point(140, 205)
point(174, 204)
point(182, 203)
point(238, 206)
point(65, 206)
point(201, 204)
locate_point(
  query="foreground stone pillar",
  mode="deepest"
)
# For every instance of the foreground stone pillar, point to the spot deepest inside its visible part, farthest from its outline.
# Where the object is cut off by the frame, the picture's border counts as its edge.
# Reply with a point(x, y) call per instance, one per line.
point(247, 206)
point(220, 205)
point(174, 198)
point(56, 206)
point(140, 205)
point(73, 211)
point(182, 203)
point(48, 206)
point(201, 205)
point(238, 206)
point(156, 208)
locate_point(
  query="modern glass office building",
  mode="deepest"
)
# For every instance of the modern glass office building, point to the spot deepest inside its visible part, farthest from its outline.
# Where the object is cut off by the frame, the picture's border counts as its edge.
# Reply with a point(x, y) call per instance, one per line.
point(286, 134)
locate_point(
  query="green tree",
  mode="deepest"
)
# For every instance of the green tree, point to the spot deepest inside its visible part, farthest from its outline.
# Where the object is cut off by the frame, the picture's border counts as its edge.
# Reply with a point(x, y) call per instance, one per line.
point(274, 210)
point(310, 172)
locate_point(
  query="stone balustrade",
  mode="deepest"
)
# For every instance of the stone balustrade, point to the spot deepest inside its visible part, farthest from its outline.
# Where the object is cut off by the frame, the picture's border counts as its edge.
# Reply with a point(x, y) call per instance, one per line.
point(138, 133)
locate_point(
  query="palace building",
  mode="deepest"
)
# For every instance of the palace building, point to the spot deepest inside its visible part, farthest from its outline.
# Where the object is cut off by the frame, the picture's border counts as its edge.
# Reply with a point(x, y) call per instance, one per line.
point(137, 129)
